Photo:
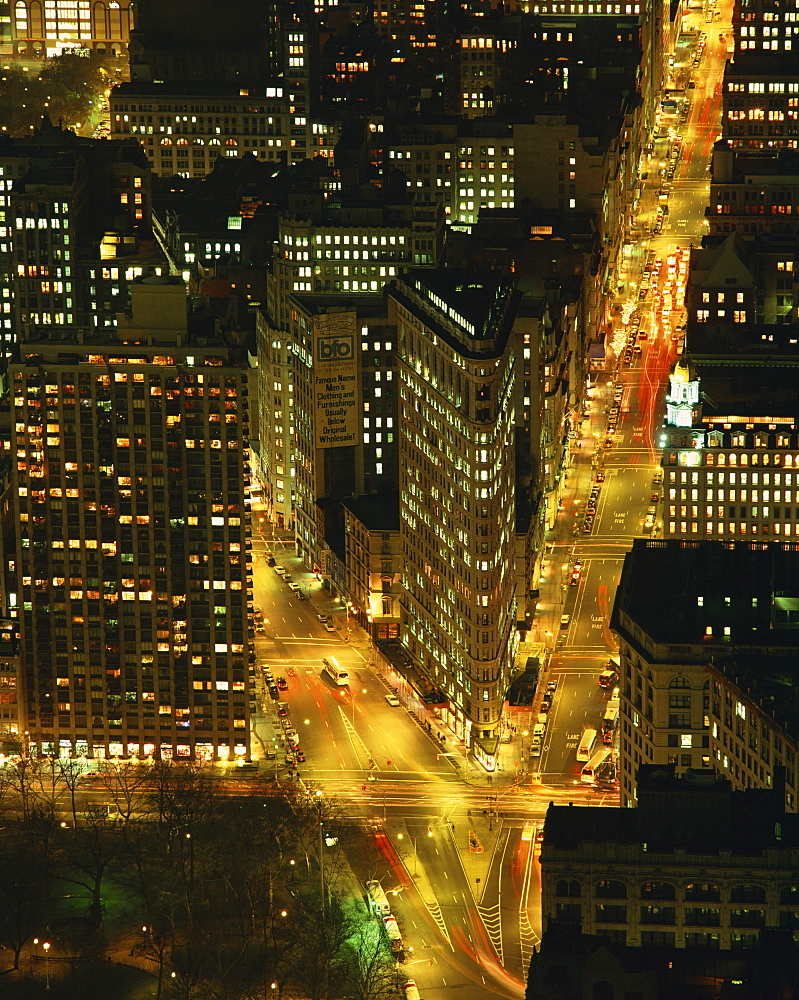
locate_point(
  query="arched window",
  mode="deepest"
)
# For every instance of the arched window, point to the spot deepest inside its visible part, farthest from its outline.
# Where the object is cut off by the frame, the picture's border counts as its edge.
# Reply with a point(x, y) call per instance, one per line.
point(182, 142)
point(680, 681)
point(198, 142)
point(658, 890)
point(702, 892)
point(747, 893)
point(231, 142)
point(568, 887)
point(166, 142)
point(610, 888)
point(789, 895)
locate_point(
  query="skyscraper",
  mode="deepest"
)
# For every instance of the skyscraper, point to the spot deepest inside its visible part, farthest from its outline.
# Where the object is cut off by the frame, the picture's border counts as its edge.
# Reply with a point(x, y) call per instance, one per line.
point(457, 482)
point(125, 534)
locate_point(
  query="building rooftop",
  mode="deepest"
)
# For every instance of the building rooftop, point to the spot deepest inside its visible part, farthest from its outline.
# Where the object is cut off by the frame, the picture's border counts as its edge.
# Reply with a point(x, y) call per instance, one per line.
point(376, 512)
point(476, 302)
point(698, 813)
point(704, 592)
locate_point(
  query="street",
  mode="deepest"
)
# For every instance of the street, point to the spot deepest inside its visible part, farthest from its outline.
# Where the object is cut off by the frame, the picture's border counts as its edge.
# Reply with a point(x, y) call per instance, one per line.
point(459, 850)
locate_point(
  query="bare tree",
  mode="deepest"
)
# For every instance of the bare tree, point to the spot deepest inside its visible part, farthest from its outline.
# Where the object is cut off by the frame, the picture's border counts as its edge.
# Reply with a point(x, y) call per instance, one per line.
point(88, 856)
point(126, 784)
point(156, 942)
point(70, 771)
point(370, 973)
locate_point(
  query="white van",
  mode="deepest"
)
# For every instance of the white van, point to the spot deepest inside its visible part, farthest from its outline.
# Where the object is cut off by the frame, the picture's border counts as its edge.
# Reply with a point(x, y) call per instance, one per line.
point(539, 730)
point(411, 990)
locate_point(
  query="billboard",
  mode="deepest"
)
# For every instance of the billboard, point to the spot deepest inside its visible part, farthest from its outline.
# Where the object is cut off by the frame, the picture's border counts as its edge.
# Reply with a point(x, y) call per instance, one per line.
point(335, 379)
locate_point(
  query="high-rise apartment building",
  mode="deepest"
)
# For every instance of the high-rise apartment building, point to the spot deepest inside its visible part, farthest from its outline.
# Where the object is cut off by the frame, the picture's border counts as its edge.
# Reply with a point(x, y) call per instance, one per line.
point(457, 490)
point(125, 531)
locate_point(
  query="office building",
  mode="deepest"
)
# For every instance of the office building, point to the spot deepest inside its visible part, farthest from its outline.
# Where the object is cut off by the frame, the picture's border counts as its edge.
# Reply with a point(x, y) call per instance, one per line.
point(42, 30)
point(191, 41)
point(457, 491)
point(374, 564)
point(754, 193)
point(184, 127)
point(467, 167)
point(696, 865)
point(77, 230)
point(343, 404)
point(127, 518)
point(691, 617)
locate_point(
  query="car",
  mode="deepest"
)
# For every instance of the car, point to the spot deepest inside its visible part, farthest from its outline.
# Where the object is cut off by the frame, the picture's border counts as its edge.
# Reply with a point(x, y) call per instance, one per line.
point(282, 684)
point(600, 477)
point(299, 756)
point(574, 579)
point(273, 691)
point(564, 620)
point(288, 578)
point(282, 709)
point(535, 750)
point(657, 479)
point(280, 570)
point(393, 700)
point(323, 618)
point(270, 561)
point(260, 630)
point(651, 511)
point(258, 612)
point(654, 497)
point(329, 627)
point(293, 737)
point(270, 753)
point(552, 685)
point(295, 587)
point(545, 706)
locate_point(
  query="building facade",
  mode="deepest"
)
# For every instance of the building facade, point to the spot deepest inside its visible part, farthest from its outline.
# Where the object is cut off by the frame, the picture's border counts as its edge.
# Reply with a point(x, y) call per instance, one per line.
point(41, 30)
point(692, 617)
point(457, 483)
point(126, 512)
point(652, 877)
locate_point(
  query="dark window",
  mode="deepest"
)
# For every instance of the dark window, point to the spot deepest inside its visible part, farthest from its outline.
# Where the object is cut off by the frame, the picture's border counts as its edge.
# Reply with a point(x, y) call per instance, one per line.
point(610, 888)
point(658, 890)
point(747, 893)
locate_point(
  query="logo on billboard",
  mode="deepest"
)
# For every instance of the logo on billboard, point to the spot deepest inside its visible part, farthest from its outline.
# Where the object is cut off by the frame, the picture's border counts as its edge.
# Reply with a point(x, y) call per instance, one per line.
point(338, 348)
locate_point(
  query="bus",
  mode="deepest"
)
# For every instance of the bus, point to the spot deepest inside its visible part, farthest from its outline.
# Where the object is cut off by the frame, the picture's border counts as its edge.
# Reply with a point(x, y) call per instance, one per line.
point(394, 935)
point(610, 721)
point(586, 747)
point(334, 671)
point(590, 769)
point(377, 899)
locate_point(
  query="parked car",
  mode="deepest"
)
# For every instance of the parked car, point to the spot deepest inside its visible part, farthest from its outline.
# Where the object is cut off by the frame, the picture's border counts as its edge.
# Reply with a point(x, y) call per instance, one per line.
point(273, 691)
point(282, 684)
point(323, 618)
point(393, 700)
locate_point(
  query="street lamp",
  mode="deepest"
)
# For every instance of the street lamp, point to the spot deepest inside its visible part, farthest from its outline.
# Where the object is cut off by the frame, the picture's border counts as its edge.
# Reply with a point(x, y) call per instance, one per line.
point(46, 946)
point(352, 695)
